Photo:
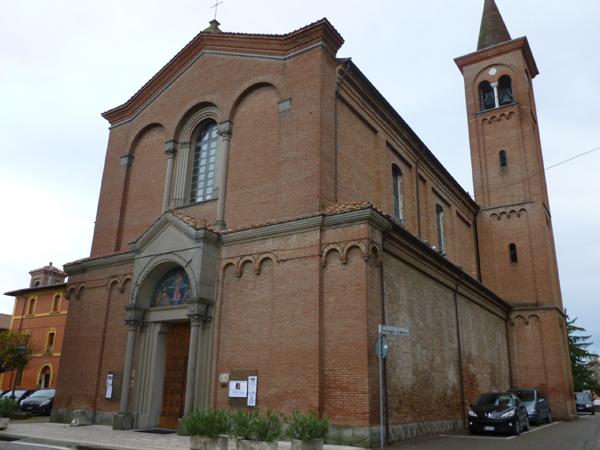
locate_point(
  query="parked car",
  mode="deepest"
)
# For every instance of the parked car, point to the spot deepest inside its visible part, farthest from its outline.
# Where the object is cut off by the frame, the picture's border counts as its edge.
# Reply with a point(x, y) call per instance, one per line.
point(536, 404)
point(17, 395)
point(40, 402)
point(498, 412)
point(584, 402)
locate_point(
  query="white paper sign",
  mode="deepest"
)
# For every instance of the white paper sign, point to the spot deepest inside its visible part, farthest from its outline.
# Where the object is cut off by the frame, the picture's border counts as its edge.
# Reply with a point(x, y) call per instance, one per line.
point(252, 384)
point(238, 388)
point(109, 386)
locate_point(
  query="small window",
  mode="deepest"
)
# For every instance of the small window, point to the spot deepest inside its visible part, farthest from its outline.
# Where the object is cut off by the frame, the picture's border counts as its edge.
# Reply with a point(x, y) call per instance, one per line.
point(31, 307)
point(56, 303)
point(505, 96)
point(486, 95)
point(512, 250)
point(50, 342)
point(397, 191)
point(205, 161)
point(503, 160)
point(441, 232)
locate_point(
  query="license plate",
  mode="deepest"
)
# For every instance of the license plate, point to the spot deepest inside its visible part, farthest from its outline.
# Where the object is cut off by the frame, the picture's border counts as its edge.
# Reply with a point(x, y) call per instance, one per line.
point(489, 428)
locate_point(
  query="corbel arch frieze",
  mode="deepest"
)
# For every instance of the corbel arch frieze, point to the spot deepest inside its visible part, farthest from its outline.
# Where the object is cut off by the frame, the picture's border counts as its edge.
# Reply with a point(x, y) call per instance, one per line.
point(75, 291)
point(367, 248)
point(120, 281)
point(498, 117)
point(255, 261)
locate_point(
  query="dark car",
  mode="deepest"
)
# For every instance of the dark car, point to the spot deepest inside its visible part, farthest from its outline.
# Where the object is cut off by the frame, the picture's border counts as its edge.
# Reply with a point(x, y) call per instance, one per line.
point(498, 412)
point(17, 394)
point(40, 402)
point(536, 404)
point(584, 402)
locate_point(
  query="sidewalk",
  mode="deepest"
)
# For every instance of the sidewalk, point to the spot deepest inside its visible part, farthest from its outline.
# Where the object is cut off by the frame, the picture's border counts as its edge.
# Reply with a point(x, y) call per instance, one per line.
point(103, 437)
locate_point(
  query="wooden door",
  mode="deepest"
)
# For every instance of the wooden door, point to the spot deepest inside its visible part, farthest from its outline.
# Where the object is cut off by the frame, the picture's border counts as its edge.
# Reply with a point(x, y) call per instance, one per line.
point(178, 341)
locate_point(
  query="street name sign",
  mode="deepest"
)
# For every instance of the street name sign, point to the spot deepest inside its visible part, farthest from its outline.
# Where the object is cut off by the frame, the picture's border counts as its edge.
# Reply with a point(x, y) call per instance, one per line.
point(393, 331)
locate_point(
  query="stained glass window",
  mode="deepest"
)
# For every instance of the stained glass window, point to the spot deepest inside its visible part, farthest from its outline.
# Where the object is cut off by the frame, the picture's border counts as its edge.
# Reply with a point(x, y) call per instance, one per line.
point(173, 289)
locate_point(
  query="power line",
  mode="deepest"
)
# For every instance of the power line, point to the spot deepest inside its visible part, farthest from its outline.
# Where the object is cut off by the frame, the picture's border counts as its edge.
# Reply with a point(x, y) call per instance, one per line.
point(572, 158)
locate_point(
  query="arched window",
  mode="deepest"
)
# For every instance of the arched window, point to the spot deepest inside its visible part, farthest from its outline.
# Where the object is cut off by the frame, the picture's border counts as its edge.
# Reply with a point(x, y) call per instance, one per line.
point(31, 307)
point(50, 341)
point(503, 160)
point(486, 96)
point(505, 96)
point(441, 232)
point(205, 157)
point(172, 289)
point(397, 193)
point(512, 251)
point(56, 304)
point(45, 377)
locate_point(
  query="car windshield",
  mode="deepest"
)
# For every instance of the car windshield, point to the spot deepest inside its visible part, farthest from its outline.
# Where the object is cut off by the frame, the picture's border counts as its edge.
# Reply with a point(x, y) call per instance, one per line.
point(583, 396)
point(495, 400)
point(526, 396)
point(15, 393)
point(48, 393)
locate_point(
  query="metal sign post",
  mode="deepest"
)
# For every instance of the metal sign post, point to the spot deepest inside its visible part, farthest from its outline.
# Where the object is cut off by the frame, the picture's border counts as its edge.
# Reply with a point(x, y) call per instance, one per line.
point(381, 350)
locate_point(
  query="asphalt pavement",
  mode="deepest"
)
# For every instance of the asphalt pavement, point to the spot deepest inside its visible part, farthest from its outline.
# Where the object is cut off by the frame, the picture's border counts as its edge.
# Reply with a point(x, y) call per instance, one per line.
point(580, 434)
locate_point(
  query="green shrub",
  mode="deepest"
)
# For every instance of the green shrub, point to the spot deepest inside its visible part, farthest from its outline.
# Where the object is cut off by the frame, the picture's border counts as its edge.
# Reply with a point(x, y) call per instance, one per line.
point(242, 424)
point(7, 407)
point(308, 427)
point(209, 423)
point(267, 427)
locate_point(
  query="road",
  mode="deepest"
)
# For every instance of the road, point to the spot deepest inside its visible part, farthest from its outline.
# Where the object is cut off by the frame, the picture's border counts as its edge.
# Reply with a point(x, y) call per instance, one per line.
point(581, 434)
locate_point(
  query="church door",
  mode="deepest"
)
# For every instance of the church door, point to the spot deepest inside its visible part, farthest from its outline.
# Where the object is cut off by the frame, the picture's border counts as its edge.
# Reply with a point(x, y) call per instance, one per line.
point(178, 340)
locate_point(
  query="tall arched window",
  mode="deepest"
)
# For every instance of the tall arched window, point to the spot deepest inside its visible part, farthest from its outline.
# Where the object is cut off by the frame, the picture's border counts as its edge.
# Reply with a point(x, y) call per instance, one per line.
point(50, 341)
point(31, 307)
point(397, 192)
point(441, 232)
point(486, 96)
point(45, 377)
point(205, 157)
point(56, 303)
point(503, 159)
point(512, 251)
point(505, 96)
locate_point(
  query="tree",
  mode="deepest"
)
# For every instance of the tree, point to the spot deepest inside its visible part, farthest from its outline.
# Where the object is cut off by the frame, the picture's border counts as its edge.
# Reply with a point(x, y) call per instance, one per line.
point(582, 360)
point(15, 351)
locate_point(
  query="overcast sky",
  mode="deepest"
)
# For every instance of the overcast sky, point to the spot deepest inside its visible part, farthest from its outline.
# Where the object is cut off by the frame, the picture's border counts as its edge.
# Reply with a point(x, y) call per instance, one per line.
point(63, 62)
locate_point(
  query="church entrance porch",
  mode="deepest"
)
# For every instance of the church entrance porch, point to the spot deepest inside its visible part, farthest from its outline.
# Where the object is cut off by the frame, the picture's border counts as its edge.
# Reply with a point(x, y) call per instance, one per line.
point(176, 362)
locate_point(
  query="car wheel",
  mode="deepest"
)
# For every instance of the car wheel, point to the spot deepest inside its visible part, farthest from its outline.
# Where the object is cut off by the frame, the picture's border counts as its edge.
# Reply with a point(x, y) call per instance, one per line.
point(517, 427)
point(549, 417)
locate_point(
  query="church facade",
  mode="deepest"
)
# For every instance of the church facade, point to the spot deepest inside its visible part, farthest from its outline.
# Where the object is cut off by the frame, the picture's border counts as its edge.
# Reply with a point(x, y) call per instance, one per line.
point(263, 209)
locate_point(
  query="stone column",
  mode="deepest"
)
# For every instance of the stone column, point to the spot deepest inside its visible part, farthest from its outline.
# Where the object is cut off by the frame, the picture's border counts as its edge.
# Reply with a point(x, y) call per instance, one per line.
point(190, 384)
point(132, 327)
point(496, 98)
point(225, 130)
point(124, 420)
point(170, 151)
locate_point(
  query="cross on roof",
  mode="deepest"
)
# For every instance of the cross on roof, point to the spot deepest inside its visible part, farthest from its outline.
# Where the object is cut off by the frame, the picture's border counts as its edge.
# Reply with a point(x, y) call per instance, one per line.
point(216, 7)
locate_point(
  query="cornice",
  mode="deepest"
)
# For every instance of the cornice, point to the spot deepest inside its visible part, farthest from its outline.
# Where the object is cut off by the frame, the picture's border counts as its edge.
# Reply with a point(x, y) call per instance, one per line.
point(83, 265)
point(490, 52)
point(318, 34)
point(39, 289)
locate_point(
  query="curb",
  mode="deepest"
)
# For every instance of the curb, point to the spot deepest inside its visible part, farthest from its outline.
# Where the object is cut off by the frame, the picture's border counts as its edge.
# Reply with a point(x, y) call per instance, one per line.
point(7, 437)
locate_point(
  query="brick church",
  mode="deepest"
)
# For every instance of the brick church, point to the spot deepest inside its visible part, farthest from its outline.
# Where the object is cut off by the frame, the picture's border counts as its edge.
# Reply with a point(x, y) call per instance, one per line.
point(263, 209)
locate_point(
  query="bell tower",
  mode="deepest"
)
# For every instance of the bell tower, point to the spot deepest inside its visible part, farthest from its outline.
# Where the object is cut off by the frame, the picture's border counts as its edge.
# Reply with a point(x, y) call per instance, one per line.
point(516, 242)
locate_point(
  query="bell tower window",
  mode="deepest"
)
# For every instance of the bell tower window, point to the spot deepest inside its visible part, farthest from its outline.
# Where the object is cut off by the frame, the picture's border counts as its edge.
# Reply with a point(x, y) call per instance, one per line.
point(203, 169)
point(512, 251)
point(486, 95)
point(503, 159)
point(505, 96)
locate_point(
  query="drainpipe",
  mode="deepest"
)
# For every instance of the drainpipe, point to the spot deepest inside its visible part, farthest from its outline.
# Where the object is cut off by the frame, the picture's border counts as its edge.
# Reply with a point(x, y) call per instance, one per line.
point(384, 234)
point(459, 345)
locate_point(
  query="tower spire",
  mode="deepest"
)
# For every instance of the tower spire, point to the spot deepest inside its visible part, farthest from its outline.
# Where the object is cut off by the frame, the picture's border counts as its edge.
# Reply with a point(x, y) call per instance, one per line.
point(493, 30)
